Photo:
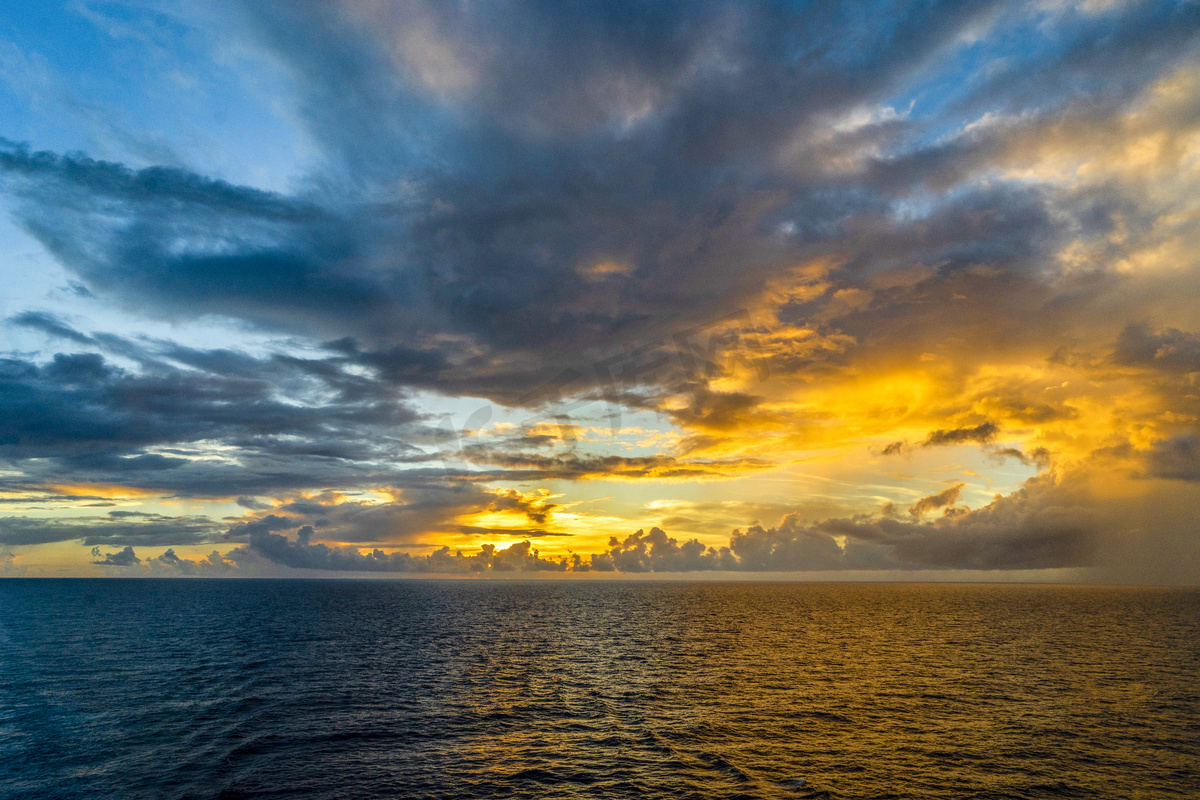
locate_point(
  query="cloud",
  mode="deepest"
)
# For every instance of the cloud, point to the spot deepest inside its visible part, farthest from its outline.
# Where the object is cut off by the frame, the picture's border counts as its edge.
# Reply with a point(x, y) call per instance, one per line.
point(252, 504)
point(50, 325)
point(124, 558)
point(793, 546)
point(81, 418)
point(1029, 529)
point(214, 565)
point(982, 433)
point(944, 498)
point(721, 411)
point(409, 518)
point(9, 564)
point(118, 529)
point(1039, 457)
point(1041, 526)
point(1169, 350)
point(707, 98)
point(303, 554)
point(655, 552)
point(546, 206)
point(1177, 458)
point(586, 467)
point(1053, 522)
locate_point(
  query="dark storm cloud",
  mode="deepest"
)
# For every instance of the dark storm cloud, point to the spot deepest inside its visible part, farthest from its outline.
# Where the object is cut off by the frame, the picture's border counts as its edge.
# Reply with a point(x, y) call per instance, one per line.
point(249, 253)
point(252, 504)
point(1007, 227)
point(150, 531)
point(295, 422)
point(793, 546)
point(1177, 458)
point(1169, 350)
point(543, 143)
point(712, 82)
point(26, 499)
point(241, 531)
point(721, 411)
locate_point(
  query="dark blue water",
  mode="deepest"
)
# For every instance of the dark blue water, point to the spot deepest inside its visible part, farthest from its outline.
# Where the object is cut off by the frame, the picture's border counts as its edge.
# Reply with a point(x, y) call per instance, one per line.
point(332, 689)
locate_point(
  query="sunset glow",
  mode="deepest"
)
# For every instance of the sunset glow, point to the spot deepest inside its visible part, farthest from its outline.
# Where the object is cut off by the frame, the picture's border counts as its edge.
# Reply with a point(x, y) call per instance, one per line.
point(400, 288)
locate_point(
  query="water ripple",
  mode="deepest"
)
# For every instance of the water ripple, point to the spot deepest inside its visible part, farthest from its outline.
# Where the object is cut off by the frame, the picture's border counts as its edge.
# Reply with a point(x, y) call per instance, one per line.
point(344, 689)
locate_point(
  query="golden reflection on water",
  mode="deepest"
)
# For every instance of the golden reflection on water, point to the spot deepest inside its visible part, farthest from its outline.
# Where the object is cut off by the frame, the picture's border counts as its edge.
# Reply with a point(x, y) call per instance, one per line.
point(570, 689)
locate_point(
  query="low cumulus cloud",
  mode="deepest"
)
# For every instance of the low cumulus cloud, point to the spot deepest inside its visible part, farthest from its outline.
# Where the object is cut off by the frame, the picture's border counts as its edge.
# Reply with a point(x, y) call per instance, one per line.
point(123, 558)
point(1041, 526)
point(213, 566)
point(654, 552)
point(302, 553)
point(9, 564)
point(1029, 529)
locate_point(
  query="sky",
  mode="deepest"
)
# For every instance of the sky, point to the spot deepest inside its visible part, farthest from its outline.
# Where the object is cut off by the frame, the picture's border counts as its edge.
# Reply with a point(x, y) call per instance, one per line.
point(871, 290)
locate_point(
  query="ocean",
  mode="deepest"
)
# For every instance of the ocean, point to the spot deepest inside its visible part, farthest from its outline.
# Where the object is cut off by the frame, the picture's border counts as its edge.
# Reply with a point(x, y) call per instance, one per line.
point(576, 689)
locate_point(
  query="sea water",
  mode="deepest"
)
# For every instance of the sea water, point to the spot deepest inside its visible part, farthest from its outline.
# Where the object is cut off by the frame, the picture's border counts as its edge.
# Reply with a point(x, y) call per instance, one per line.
point(461, 689)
